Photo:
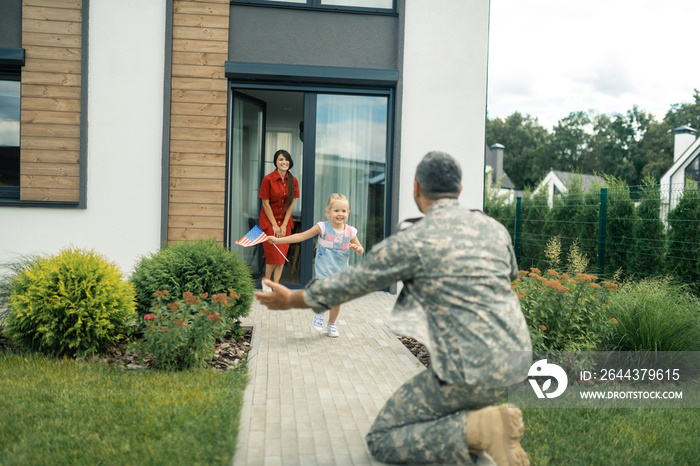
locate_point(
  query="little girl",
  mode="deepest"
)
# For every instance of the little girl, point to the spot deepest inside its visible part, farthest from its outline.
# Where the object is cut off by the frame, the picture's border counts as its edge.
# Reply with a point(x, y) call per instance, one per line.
point(333, 249)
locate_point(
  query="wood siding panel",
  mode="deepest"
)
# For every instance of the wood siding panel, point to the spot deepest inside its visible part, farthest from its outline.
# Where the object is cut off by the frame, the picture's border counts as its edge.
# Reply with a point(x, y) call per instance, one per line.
point(57, 169)
point(51, 100)
point(199, 58)
point(51, 92)
point(63, 118)
point(198, 110)
point(48, 194)
point(202, 160)
point(189, 234)
point(53, 53)
point(50, 156)
point(197, 210)
point(210, 97)
point(54, 66)
point(210, 46)
point(50, 182)
point(191, 184)
point(196, 221)
point(51, 131)
point(191, 121)
point(201, 21)
point(51, 14)
point(201, 33)
point(199, 134)
point(52, 79)
point(196, 197)
point(69, 4)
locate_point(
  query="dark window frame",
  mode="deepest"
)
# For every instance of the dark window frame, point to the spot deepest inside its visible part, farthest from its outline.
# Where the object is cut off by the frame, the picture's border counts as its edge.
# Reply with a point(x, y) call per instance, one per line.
point(11, 63)
point(317, 5)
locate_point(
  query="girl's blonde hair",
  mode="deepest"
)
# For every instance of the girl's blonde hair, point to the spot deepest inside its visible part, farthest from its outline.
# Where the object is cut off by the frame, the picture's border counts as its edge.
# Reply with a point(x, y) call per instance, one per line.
point(335, 197)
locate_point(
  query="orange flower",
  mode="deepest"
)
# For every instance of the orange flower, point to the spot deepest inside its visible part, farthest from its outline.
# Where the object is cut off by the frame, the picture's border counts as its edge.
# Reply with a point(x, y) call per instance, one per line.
point(556, 285)
point(565, 275)
point(232, 294)
point(586, 277)
point(595, 285)
point(535, 270)
point(542, 327)
point(522, 272)
point(552, 272)
point(610, 285)
point(613, 320)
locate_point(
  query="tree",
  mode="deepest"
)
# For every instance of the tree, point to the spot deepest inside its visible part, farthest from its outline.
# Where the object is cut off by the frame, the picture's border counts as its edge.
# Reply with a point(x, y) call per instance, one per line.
point(647, 250)
point(571, 142)
point(527, 154)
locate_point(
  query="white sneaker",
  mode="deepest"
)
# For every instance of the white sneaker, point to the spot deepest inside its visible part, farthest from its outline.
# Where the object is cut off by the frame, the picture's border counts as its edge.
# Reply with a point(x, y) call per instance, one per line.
point(265, 288)
point(318, 322)
point(333, 331)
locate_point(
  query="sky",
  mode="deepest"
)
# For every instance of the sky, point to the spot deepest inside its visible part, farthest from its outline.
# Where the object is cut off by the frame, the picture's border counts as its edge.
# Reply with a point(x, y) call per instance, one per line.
point(548, 58)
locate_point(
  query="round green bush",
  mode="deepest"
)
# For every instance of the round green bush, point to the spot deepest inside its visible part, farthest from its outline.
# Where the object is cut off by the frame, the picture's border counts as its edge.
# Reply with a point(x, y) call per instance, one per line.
point(72, 304)
point(198, 266)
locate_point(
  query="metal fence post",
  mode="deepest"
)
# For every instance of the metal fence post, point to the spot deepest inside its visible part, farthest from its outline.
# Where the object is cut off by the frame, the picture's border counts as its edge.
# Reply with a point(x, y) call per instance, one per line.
point(602, 217)
point(516, 229)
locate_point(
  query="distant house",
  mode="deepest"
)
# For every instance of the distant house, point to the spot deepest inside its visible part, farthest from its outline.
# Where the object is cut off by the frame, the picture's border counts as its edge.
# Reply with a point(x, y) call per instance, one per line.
point(495, 175)
point(686, 165)
point(557, 183)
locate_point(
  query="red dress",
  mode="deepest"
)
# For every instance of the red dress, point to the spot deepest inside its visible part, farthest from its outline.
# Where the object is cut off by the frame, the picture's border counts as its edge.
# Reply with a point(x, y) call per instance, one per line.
point(274, 189)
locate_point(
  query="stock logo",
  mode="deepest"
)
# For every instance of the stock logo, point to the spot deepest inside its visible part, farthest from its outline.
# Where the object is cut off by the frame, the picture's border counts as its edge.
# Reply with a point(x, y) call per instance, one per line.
point(542, 369)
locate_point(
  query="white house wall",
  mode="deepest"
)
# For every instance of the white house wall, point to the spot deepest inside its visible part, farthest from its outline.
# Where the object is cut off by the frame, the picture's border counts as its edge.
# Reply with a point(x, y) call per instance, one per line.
point(444, 92)
point(125, 121)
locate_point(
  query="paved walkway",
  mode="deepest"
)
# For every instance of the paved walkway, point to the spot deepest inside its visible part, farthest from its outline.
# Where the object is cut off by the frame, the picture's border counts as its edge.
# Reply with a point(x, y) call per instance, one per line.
point(311, 399)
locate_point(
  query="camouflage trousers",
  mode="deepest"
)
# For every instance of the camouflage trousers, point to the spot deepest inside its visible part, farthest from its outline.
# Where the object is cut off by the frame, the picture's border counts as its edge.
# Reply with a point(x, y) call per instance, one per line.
point(425, 421)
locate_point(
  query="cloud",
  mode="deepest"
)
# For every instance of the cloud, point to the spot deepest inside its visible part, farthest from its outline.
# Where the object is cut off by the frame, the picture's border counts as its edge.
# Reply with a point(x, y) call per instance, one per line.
point(9, 133)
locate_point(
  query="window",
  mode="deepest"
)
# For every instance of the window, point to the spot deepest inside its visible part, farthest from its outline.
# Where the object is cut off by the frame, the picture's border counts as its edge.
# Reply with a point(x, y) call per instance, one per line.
point(9, 132)
point(360, 6)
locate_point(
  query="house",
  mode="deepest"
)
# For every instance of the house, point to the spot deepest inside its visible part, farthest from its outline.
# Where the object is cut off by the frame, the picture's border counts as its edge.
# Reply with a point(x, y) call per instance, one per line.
point(686, 166)
point(129, 124)
point(495, 175)
point(557, 183)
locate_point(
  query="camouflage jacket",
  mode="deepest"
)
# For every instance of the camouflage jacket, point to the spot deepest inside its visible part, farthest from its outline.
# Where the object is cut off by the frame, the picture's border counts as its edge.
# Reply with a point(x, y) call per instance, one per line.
point(456, 267)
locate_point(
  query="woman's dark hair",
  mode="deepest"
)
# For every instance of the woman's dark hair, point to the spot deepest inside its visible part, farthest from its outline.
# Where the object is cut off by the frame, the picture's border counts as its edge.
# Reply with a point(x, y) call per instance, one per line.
point(290, 184)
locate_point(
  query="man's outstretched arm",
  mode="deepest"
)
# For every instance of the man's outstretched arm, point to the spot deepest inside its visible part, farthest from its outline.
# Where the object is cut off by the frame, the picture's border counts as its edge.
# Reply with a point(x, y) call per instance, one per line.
point(281, 297)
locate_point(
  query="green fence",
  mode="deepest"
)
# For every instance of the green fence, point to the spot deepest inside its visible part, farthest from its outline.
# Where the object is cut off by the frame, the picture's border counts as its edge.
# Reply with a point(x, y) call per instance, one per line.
point(633, 231)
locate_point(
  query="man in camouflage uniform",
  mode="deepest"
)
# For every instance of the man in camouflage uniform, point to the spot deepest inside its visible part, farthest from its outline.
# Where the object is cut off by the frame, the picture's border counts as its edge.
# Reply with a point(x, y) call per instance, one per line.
point(456, 267)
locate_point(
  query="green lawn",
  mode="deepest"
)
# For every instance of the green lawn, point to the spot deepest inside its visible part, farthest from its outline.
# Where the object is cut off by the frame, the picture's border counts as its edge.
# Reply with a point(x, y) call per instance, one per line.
point(67, 412)
point(612, 436)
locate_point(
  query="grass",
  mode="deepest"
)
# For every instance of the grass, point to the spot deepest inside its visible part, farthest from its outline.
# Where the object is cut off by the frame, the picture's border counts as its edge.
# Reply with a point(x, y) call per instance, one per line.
point(654, 314)
point(68, 412)
point(612, 436)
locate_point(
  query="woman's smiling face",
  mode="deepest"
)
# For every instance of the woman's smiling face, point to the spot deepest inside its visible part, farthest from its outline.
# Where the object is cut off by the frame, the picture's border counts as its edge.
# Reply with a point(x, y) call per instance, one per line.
point(282, 163)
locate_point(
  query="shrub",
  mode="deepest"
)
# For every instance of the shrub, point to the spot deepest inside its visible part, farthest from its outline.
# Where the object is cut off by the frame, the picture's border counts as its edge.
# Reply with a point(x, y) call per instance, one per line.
point(199, 266)
point(654, 314)
point(563, 312)
point(683, 246)
point(181, 334)
point(73, 303)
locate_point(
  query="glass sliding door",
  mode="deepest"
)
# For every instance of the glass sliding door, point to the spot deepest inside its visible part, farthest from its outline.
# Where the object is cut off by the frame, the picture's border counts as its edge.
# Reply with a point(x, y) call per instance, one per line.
point(350, 157)
point(246, 159)
point(339, 142)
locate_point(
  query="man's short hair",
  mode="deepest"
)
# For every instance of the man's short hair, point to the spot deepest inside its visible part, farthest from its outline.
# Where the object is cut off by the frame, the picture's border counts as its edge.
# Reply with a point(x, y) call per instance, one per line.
point(439, 176)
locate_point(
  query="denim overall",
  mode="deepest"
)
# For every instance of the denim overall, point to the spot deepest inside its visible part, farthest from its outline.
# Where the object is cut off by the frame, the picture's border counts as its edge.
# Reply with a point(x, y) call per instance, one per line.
point(332, 251)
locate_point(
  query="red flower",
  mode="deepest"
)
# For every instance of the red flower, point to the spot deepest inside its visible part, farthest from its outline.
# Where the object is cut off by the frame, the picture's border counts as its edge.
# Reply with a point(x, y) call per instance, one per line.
point(147, 317)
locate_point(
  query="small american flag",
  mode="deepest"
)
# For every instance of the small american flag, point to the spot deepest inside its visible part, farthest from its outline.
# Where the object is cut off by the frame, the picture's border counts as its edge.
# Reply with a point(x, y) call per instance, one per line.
point(253, 237)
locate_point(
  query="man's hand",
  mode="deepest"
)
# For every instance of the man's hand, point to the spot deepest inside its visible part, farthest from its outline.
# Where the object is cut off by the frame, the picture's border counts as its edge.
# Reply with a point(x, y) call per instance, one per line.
point(281, 297)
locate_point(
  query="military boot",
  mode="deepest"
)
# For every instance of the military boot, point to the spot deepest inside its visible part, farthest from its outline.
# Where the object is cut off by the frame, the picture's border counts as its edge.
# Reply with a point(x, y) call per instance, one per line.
point(497, 430)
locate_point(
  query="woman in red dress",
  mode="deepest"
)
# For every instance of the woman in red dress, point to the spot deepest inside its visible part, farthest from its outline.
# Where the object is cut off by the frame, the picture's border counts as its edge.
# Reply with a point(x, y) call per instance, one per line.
point(278, 192)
